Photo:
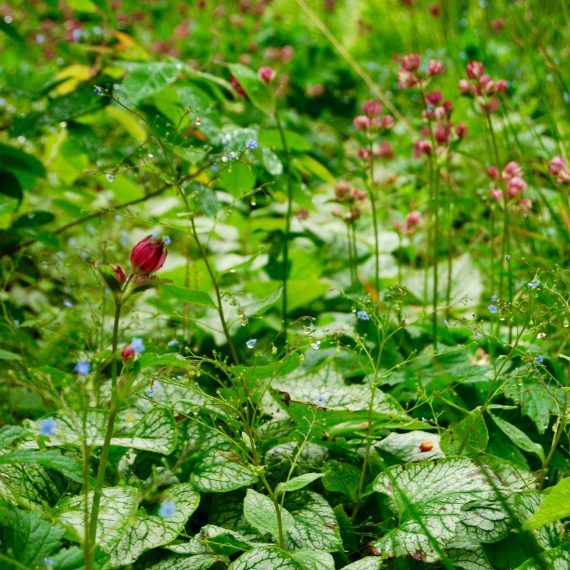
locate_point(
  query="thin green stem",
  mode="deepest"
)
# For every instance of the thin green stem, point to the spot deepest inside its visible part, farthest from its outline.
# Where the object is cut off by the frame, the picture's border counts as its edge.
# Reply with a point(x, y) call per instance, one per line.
point(288, 216)
point(372, 199)
point(108, 432)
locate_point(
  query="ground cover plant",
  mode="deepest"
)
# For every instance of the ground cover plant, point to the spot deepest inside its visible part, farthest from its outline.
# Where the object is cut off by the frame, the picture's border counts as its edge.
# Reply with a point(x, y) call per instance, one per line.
point(284, 284)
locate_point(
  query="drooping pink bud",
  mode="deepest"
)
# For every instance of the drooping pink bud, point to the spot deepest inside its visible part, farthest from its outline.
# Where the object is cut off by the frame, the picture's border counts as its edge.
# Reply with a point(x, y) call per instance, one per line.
point(466, 88)
point(441, 134)
point(128, 353)
point(413, 219)
point(501, 85)
point(387, 122)
point(411, 62)
point(362, 123)
point(372, 108)
point(364, 153)
point(434, 98)
point(148, 255)
point(236, 85)
point(119, 273)
point(461, 130)
point(406, 79)
point(493, 173)
point(358, 194)
point(516, 186)
point(422, 147)
point(385, 150)
point(556, 165)
point(434, 68)
point(266, 74)
point(475, 69)
point(496, 194)
point(342, 191)
point(512, 169)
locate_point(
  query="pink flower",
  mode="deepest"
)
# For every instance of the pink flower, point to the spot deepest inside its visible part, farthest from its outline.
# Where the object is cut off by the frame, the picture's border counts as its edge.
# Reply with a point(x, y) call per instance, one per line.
point(148, 255)
point(413, 219)
point(441, 134)
point(422, 147)
point(434, 68)
point(406, 79)
point(466, 88)
point(411, 62)
point(128, 353)
point(364, 153)
point(512, 169)
point(493, 173)
point(372, 108)
point(385, 150)
point(362, 123)
point(516, 186)
point(556, 165)
point(387, 122)
point(461, 130)
point(119, 273)
point(266, 74)
point(496, 194)
point(358, 194)
point(434, 98)
point(342, 191)
point(474, 69)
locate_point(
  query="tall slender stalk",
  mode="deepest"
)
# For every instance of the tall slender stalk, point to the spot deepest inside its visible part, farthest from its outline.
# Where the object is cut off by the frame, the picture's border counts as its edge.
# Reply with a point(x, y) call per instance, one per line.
point(288, 216)
point(372, 198)
point(98, 492)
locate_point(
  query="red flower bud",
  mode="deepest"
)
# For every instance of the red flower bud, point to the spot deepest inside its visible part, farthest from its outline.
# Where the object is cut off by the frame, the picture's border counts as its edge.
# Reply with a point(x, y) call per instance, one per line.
point(411, 62)
point(128, 353)
point(119, 273)
point(474, 69)
point(435, 67)
point(266, 74)
point(148, 255)
point(362, 123)
point(433, 98)
point(236, 85)
point(372, 108)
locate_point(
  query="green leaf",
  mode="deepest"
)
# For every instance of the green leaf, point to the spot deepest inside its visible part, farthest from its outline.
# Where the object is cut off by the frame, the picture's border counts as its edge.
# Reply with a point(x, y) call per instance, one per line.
point(27, 537)
point(10, 186)
point(272, 138)
point(470, 436)
point(451, 499)
point(146, 79)
point(221, 540)
point(518, 437)
point(198, 562)
point(145, 531)
point(190, 296)
point(342, 477)
point(10, 30)
point(9, 434)
point(32, 220)
point(48, 458)
point(555, 558)
point(7, 355)
point(273, 558)
point(260, 513)
point(315, 526)
point(312, 167)
point(15, 159)
point(238, 179)
point(297, 483)
point(366, 563)
point(118, 505)
point(257, 90)
point(408, 446)
point(555, 505)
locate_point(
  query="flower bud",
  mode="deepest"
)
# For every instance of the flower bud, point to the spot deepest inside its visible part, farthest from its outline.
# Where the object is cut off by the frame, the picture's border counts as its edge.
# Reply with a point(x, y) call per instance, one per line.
point(512, 169)
point(148, 255)
point(434, 68)
point(493, 173)
point(413, 219)
point(342, 191)
point(434, 98)
point(128, 353)
point(556, 165)
point(372, 108)
point(411, 62)
point(266, 74)
point(474, 69)
point(461, 130)
point(362, 123)
point(119, 273)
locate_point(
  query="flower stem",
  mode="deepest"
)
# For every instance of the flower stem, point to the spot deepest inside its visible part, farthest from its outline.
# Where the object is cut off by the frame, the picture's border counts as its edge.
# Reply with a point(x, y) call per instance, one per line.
point(108, 433)
point(371, 197)
point(288, 216)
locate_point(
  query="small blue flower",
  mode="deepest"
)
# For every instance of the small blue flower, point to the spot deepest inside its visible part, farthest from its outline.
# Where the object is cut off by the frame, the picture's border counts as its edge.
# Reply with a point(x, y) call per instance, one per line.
point(251, 343)
point(492, 309)
point(494, 298)
point(97, 90)
point(173, 342)
point(118, 218)
point(67, 304)
point(363, 316)
point(316, 345)
point(507, 258)
point(167, 240)
point(48, 562)
point(137, 345)
point(150, 392)
point(321, 400)
point(534, 284)
point(83, 368)
point(47, 427)
point(446, 323)
point(110, 177)
point(214, 168)
point(124, 241)
point(167, 509)
point(252, 144)
point(539, 359)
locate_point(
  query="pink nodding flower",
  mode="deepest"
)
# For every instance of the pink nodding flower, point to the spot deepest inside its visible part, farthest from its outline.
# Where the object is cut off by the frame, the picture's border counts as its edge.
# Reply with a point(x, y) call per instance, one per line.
point(493, 173)
point(556, 165)
point(266, 74)
point(362, 122)
point(433, 98)
point(372, 108)
point(512, 169)
point(501, 85)
point(422, 147)
point(516, 186)
point(128, 353)
point(434, 68)
point(148, 255)
point(413, 219)
point(475, 69)
point(466, 88)
point(406, 79)
point(441, 134)
point(496, 194)
point(119, 273)
point(364, 153)
point(385, 150)
point(342, 191)
point(358, 194)
point(387, 122)
point(461, 130)
point(411, 62)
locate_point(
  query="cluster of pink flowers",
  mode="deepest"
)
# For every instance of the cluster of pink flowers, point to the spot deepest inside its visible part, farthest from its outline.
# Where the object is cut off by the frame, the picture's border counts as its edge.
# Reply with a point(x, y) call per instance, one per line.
point(413, 220)
point(410, 74)
point(438, 113)
point(372, 122)
point(512, 177)
point(350, 197)
point(480, 85)
point(557, 167)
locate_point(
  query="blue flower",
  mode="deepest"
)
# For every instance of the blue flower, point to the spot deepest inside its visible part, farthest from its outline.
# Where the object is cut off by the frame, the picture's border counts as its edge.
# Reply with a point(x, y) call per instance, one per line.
point(534, 284)
point(252, 144)
point(446, 323)
point(167, 509)
point(47, 427)
point(363, 316)
point(539, 359)
point(150, 392)
point(507, 258)
point(83, 367)
point(494, 298)
point(492, 309)
point(173, 342)
point(110, 177)
point(214, 168)
point(49, 562)
point(97, 90)
point(67, 304)
point(316, 345)
point(137, 345)
point(167, 240)
point(251, 343)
